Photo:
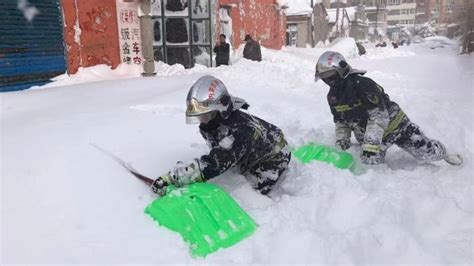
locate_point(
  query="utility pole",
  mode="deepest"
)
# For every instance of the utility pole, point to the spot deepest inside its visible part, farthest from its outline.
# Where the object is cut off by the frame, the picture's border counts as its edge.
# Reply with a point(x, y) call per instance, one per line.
point(337, 19)
point(342, 23)
point(376, 33)
point(146, 29)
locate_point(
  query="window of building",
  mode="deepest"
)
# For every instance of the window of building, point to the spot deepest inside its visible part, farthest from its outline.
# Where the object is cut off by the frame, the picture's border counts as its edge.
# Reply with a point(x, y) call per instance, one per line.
point(291, 34)
point(182, 32)
point(372, 17)
point(393, 2)
point(394, 12)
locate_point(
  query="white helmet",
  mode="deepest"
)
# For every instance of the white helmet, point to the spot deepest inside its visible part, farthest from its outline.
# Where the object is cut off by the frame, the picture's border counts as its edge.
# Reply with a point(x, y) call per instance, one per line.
point(331, 63)
point(207, 97)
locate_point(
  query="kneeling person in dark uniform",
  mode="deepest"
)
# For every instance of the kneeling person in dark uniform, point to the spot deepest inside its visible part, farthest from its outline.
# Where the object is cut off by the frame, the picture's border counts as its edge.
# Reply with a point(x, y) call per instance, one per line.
point(236, 139)
point(360, 105)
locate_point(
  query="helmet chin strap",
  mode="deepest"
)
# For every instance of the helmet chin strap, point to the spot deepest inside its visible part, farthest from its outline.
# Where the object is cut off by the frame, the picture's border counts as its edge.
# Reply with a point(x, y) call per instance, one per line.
point(213, 123)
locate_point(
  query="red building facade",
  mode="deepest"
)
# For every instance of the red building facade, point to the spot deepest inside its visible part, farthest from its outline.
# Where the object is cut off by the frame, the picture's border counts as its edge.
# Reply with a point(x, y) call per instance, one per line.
point(262, 19)
point(91, 28)
point(90, 33)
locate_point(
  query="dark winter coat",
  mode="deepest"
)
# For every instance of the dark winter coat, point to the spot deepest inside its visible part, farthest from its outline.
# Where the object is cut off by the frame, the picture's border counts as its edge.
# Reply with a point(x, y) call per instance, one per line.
point(252, 51)
point(222, 54)
point(247, 142)
point(359, 104)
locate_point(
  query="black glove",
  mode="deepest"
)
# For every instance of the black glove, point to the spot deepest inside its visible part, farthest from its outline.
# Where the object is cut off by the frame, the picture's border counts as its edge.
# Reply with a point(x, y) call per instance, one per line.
point(344, 144)
point(160, 184)
point(370, 154)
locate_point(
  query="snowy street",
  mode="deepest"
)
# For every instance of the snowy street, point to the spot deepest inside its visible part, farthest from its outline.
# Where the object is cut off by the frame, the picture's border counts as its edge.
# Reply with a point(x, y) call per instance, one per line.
point(63, 201)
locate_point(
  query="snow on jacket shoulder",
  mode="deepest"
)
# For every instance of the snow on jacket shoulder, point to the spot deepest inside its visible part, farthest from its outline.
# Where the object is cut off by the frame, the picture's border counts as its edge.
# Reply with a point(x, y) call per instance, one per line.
point(241, 140)
point(360, 102)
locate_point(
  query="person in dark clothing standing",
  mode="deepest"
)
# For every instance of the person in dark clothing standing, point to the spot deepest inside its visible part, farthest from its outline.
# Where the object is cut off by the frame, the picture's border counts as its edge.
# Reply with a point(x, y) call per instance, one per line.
point(255, 147)
point(360, 105)
point(222, 50)
point(252, 49)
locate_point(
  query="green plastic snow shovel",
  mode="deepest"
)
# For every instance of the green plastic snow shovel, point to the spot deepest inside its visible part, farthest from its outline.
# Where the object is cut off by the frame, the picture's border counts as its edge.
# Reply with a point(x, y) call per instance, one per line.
point(331, 155)
point(205, 216)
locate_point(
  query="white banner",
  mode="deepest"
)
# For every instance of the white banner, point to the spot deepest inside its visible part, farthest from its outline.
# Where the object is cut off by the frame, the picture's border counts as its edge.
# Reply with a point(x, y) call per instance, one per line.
point(129, 33)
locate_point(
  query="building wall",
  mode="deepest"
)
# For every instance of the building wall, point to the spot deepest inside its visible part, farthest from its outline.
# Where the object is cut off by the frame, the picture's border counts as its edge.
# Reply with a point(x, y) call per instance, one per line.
point(442, 13)
point(262, 19)
point(401, 18)
point(303, 24)
point(302, 35)
point(90, 33)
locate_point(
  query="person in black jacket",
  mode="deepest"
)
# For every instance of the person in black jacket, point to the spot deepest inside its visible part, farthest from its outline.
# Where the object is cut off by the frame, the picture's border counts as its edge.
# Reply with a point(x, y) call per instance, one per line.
point(252, 49)
point(256, 148)
point(360, 105)
point(222, 50)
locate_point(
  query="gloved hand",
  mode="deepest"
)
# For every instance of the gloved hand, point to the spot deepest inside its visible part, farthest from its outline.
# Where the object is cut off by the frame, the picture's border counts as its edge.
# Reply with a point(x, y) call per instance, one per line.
point(160, 184)
point(183, 174)
point(344, 144)
point(371, 154)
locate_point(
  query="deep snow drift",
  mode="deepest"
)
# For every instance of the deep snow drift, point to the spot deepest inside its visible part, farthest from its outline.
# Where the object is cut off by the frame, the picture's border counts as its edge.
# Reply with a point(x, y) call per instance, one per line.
point(65, 202)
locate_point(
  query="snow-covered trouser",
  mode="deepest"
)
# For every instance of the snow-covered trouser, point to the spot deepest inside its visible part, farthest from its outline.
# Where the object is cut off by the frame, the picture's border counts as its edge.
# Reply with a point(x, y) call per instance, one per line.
point(400, 131)
point(409, 137)
point(265, 174)
point(412, 139)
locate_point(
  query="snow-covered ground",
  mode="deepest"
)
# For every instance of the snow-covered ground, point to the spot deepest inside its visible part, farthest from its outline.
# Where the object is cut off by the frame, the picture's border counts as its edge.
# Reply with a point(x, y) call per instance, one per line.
point(65, 202)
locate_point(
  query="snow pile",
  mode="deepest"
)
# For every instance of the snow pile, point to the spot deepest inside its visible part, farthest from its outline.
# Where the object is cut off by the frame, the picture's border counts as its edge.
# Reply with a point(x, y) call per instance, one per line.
point(300, 7)
point(346, 46)
point(65, 202)
point(384, 52)
point(440, 42)
point(123, 71)
point(93, 74)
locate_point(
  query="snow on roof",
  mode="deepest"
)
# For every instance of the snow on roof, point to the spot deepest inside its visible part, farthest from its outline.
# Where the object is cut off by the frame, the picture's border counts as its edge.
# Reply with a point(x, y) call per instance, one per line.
point(300, 7)
point(374, 8)
point(282, 3)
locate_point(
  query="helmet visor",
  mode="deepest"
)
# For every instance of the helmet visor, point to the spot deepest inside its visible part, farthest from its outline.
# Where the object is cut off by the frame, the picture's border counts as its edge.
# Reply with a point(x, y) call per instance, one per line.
point(197, 108)
point(201, 118)
point(325, 74)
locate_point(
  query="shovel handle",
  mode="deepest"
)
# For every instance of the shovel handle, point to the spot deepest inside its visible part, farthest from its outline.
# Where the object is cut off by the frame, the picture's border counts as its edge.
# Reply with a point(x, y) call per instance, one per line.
point(145, 179)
